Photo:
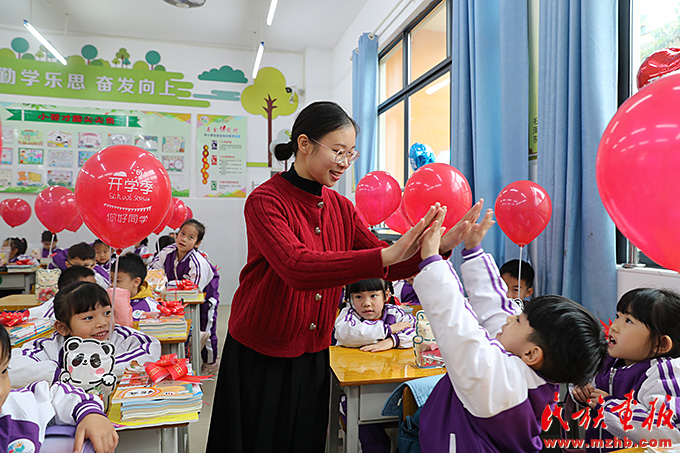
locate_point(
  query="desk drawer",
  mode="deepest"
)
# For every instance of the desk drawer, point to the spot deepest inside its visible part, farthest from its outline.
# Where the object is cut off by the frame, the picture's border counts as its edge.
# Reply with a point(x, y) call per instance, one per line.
point(371, 401)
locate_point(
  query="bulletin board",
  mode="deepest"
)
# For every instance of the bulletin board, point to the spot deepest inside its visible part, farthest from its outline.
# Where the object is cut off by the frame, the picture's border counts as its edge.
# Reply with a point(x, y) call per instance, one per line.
point(46, 145)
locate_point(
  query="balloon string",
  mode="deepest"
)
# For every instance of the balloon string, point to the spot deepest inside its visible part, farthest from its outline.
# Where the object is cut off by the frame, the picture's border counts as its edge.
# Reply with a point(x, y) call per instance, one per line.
point(113, 302)
point(49, 252)
point(519, 274)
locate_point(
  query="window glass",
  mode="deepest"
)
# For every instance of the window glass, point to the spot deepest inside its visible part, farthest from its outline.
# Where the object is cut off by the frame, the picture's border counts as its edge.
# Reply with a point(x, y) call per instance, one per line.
point(391, 72)
point(428, 42)
point(391, 142)
point(430, 118)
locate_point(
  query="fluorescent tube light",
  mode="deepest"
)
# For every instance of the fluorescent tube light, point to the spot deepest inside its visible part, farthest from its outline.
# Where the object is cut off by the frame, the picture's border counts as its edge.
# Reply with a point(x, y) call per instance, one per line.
point(258, 58)
point(270, 14)
point(45, 42)
point(437, 86)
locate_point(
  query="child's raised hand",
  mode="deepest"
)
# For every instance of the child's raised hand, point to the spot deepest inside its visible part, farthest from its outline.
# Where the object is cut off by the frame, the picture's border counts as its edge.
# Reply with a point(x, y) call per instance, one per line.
point(382, 345)
point(99, 430)
point(431, 238)
point(582, 394)
point(477, 231)
point(455, 235)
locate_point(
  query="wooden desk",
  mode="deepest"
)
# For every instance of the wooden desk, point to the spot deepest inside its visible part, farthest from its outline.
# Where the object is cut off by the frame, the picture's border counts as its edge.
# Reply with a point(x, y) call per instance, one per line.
point(18, 280)
point(18, 302)
point(367, 379)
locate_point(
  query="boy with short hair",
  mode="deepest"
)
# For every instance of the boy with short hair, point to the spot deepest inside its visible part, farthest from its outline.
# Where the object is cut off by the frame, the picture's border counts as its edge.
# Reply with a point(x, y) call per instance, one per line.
point(131, 276)
point(48, 240)
point(500, 377)
point(82, 254)
point(510, 273)
point(68, 277)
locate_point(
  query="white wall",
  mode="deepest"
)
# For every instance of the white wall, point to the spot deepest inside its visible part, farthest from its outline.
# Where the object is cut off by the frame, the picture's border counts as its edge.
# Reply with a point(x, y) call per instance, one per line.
point(225, 240)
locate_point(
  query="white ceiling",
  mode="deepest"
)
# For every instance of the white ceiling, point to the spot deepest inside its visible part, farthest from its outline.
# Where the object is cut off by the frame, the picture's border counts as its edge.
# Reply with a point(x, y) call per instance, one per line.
point(298, 24)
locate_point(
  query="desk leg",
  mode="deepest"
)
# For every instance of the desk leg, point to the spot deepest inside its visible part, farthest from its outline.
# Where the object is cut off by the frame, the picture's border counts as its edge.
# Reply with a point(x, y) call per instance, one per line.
point(352, 437)
point(170, 440)
point(195, 317)
point(29, 278)
point(334, 416)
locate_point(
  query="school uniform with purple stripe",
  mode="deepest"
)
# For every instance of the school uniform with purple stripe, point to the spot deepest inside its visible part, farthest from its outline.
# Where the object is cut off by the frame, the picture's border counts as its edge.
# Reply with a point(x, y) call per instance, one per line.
point(59, 260)
point(195, 267)
point(41, 359)
point(353, 331)
point(28, 411)
point(146, 304)
point(492, 401)
point(45, 253)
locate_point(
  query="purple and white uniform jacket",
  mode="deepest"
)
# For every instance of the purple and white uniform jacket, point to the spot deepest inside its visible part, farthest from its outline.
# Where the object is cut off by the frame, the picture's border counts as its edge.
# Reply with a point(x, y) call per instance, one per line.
point(59, 259)
point(41, 359)
point(102, 276)
point(492, 401)
point(195, 267)
point(27, 412)
point(138, 306)
point(353, 331)
point(44, 310)
point(650, 380)
point(45, 253)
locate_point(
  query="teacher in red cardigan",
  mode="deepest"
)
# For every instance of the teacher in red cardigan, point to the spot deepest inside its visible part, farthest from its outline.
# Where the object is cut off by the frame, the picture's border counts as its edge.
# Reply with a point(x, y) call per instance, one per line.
point(305, 242)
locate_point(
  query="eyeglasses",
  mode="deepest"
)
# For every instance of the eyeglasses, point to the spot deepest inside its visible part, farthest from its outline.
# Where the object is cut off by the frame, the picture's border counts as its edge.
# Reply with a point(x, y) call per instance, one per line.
point(341, 154)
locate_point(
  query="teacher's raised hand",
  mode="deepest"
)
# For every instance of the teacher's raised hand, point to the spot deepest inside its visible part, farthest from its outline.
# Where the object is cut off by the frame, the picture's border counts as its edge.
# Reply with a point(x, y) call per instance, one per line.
point(409, 243)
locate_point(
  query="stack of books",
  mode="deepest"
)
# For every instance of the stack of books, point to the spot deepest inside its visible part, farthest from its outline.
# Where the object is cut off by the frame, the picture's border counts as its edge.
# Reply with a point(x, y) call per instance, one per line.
point(172, 292)
point(163, 327)
point(138, 399)
point(28, 330)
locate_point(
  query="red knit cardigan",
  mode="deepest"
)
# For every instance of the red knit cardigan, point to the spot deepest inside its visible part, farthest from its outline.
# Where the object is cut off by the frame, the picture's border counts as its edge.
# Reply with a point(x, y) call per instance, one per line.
point(302, 249)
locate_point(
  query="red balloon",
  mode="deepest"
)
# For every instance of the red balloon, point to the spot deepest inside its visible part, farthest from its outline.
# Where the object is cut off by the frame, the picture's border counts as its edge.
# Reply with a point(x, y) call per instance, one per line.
point(76, 224)
point(398, 221)
point(190, 213)
point(15, 211)
point(123, 194)
point(55, 207)
point(659, 63)
point(165, 221)
point(377, 196)
point(637, 168)
point(441, 183)
point(523, 210)
point(179, 213)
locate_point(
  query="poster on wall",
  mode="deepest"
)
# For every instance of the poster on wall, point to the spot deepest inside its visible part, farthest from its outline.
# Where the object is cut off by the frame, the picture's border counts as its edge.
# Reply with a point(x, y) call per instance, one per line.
point(46, 145)
point(221, 156)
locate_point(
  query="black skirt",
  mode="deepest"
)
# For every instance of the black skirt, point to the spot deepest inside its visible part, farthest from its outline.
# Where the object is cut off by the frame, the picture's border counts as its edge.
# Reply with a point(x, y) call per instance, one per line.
point(269, 404)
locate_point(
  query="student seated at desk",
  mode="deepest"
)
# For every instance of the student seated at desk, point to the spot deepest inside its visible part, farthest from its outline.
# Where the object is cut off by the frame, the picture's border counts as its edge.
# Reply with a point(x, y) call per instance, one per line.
point(49, 241)
point(502, 364)
point(371, 321)
point(103, 255)
point(26, 413)
point(131, 275)
point(82, 310)
point(68, 277)
point(83, 254)
point(17, 251)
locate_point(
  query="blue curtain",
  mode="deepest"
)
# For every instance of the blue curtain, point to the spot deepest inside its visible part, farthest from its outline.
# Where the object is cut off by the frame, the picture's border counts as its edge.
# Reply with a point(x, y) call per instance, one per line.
point(577, 98)
point(490, 103)
point(365, 103)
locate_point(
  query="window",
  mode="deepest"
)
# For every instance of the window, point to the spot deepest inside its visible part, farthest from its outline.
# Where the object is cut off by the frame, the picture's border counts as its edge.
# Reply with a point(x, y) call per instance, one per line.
point(415, 92)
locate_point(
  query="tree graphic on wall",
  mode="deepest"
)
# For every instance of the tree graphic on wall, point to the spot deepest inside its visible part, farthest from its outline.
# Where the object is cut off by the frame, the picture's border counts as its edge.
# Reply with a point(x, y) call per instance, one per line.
point(123, 56)
point(89, 52)
point(19, 45)
point(267, 96)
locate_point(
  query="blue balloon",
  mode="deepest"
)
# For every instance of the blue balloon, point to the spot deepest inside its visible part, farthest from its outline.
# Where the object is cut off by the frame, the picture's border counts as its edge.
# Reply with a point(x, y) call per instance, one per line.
point(420, 155)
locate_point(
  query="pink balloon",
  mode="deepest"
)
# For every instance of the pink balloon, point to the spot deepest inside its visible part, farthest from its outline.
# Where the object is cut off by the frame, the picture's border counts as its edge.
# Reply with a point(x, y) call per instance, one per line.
point(123, 194)
point(190, 213)
point(76, 224)
point(637, 168)
point(398, 221)
point(523, 210)
point(377, 196)
point(179, 214)
point(15, 211)
point(441, 183)
point(55, 207)
point(166, 219)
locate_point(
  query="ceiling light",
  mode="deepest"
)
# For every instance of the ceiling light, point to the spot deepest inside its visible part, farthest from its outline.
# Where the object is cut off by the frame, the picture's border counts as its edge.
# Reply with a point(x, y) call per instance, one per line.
point(186, 3)
point(258, 58)
point(45, 42)
point(270, 14)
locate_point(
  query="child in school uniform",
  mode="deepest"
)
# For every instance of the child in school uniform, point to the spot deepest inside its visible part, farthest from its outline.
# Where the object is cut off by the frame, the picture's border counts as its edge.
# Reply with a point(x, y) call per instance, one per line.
point(82, 310)
point(131, 276)
point(371, 321)
point(83, 254)
point(182, 260)
point(142, 249)
point(644, 346)
point(510, 273)
point(503, 365)
point(68, 277)
point(17, 251)
point(103, 255)
point(49, 241)
point(26, 413)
